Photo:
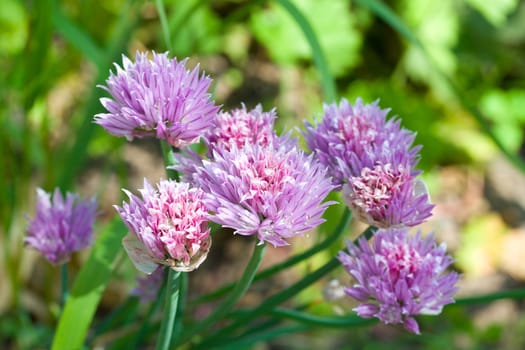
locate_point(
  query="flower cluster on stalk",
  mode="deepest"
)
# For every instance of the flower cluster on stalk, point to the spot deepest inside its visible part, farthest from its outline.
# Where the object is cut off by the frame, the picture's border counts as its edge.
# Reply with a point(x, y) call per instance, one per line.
point(262, 184)
point(62, 225)
point(372, 161)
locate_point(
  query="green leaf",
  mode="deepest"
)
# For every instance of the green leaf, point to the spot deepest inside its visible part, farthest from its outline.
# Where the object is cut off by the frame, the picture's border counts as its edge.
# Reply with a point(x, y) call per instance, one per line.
point(88, 288)
point(13, 27)
point(78, 37)
point(494, 11)
point(506, 109)
point(332, 22)
point(436, 25)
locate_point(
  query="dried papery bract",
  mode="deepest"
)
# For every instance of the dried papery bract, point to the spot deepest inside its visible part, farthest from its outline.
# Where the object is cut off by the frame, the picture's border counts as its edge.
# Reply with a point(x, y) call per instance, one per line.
point(168, 226)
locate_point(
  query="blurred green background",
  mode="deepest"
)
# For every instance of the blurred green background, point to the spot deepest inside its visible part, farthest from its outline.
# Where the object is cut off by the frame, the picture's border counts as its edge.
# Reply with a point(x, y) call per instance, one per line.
point(54, 53)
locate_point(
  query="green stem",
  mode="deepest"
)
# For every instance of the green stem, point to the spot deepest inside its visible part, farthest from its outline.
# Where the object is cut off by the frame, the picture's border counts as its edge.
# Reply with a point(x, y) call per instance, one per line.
point(240, 289)
point(146, 322)
point(246, 341)
point(170, 311)
point(340, 229)
point(63, 284)
point(485, 298)
point(327, 81)
point(164, 23)
point(169, 159)
point(322, 321)
point(277, 299)
point(182, 305)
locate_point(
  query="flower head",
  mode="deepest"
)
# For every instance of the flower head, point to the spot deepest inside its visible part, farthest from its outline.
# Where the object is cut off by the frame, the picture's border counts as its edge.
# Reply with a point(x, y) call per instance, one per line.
point(371, 158)
point(61, 225)
point(157, 97)
point(167, 226)
point(272, 192)
point(242, 126)
point(399, 276)
point(384, 196)
point(349, 138)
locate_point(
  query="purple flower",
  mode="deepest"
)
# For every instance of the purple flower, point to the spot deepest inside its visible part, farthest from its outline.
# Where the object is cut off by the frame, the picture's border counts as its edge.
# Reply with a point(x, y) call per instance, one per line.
point(387, 196)
point(148, 286)
point(399, 276)
point(231, 129)
point(61, 225)
point(349, 138)
point(240, 126)
point(372, 160)
point(167, 226)
point(272, 192)
point(157, 97)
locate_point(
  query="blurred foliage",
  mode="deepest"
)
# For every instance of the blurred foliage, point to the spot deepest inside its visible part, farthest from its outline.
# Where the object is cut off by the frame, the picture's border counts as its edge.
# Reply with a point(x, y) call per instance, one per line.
point(54, 53)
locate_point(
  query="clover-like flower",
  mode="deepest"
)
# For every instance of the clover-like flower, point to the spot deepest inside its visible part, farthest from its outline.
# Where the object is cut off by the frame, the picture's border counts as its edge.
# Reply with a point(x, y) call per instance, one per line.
point(168, 226)
point(157, 97)
point(398, 276)
point(61, 225)
point(387, 196)
point(241, 126)
point(349, 138)
point(273, 192)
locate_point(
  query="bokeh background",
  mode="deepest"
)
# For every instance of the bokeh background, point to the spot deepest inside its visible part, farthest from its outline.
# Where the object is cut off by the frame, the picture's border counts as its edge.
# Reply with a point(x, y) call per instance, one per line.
point(463, 92)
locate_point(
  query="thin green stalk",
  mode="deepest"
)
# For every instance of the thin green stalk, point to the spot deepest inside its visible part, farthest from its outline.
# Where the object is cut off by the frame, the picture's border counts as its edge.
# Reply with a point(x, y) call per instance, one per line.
point(322, 321)
point(294, 289)
point(146, 322)
point(169, 159)
point(63, 284)
point(118, 316)
point(240, 289)
point(485, 298)
point(386, 14)
point(327, 81)
point(170, 311)
point(294, 260)
point(164, 23)
point(247, 340)
point(183, 291)
point(76, 156)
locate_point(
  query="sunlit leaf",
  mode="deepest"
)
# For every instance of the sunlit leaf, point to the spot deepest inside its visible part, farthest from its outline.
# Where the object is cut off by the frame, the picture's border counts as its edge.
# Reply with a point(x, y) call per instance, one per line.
point(88, 287)
point(331, 20)
point(480, 247)
point(436, 24)
point(495, 11)
point(13, 27)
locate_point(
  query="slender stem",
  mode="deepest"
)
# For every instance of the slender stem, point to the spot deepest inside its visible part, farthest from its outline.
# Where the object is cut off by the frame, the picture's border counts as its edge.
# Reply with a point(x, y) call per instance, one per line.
point(485, 298)
point(169, 159)
point(294, 289)
point(64, 284)
point(183, 291)
point(240, 288)
point(170, 311)
point(164, 23)
point(294, 260)
point(245, 341)
point(322, 321)
point(146, 323)
point(327, 81)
